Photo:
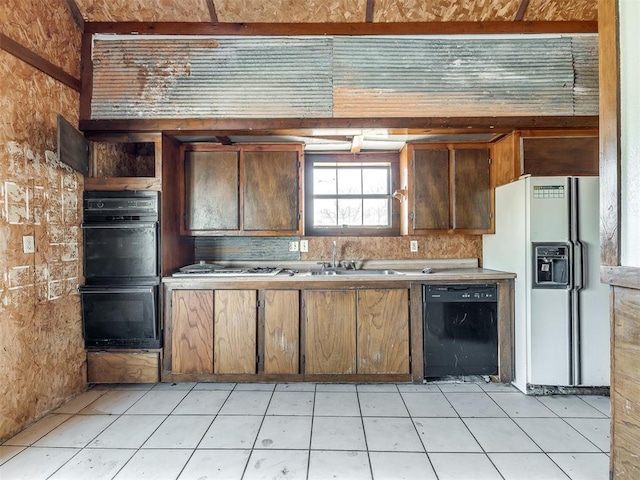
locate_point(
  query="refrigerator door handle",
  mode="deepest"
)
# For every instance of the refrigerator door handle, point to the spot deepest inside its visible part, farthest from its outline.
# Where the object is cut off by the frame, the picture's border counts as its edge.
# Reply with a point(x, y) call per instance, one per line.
point(578, 266)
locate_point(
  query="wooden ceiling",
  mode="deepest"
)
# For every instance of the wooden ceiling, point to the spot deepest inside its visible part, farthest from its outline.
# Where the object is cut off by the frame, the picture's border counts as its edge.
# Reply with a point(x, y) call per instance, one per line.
point(333, 11)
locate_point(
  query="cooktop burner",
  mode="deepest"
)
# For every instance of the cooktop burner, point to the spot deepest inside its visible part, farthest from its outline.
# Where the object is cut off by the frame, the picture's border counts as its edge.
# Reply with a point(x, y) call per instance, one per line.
point(227, 272)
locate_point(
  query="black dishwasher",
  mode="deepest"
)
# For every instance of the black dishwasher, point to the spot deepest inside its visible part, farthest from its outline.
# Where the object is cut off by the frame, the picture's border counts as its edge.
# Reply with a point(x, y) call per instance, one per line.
point(460, 330)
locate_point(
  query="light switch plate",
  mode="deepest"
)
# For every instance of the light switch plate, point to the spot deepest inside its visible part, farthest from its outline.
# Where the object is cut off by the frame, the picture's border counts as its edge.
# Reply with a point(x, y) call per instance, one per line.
point(413, 245)
point(28, 244)
point(293, 246)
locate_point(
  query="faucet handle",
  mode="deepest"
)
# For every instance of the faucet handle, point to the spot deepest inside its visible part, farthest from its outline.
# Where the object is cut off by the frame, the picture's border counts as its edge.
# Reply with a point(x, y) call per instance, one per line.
point(324, 264)
point(349, 265)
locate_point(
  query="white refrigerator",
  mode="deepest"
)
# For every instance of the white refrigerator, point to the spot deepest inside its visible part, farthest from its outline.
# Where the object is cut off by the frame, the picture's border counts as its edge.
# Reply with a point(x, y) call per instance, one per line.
point(547, 232)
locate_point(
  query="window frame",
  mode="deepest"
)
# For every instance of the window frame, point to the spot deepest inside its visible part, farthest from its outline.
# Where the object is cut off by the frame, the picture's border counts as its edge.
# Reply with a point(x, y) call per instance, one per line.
point(391, 158)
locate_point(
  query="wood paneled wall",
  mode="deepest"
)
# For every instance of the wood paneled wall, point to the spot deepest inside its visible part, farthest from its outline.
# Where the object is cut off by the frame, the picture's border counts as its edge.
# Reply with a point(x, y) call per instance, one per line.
point(42, 358)
point(625, 299)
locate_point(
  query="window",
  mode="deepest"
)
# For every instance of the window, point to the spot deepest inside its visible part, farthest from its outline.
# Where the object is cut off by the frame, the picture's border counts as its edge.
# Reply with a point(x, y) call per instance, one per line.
point(351, 194)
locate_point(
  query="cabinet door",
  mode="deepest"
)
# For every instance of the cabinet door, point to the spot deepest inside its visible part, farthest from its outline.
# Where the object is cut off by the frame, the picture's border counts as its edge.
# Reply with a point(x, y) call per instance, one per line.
point(211, 191)
point(281, 331)
point(431, 189)
point(271, 191)
point(472, 190)
point(330, 331)
point(383, 331)
point(235, 326)
point(192, 331)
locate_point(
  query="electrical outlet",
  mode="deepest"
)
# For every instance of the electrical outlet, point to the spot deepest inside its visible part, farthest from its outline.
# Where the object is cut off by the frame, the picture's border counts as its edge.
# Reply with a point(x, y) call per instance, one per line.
point(293, 246)
point(304, 246)
point(28, 244)
point(413, 245)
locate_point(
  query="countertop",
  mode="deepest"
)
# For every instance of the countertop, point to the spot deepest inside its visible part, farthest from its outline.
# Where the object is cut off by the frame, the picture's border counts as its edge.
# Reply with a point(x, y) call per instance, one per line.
point(409, 271)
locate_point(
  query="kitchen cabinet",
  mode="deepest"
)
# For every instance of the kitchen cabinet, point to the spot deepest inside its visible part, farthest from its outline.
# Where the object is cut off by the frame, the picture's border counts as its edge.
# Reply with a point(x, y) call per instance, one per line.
point(241, 190)
point(281, 331)
point(211, 189)
point(329, 331)
point(213, 331)
point(448, 189)
point(383, 331)
point(364, 331)
point(192, 331)
point(127, 161)
point(235, 323)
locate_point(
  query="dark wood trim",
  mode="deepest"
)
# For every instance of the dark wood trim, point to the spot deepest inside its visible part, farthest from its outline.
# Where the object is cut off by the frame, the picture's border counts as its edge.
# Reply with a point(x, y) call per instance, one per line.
point(342, 28)
point(76, 14)
point(86, 76)
point(609, 54)
point(212, 11)
point(36, 61)
point(628, 277)
point(346, 126)
point(371, 5)
point(522, 9)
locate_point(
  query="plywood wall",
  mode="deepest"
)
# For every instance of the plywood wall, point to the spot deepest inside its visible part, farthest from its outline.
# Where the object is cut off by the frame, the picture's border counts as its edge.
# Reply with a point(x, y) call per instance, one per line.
point(144, 10)
point(42, 361)
point(45, 28)
point(396, 248)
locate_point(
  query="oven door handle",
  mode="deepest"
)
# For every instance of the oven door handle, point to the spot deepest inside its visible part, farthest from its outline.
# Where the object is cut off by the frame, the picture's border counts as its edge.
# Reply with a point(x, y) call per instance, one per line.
point(103, 290)
point(120, 225)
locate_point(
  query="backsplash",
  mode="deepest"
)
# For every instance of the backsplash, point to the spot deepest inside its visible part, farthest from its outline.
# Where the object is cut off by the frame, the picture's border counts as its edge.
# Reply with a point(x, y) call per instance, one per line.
point(348, 248)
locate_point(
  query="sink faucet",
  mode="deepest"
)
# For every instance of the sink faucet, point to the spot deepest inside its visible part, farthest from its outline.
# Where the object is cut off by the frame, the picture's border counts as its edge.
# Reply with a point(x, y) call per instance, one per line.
point(333, 254)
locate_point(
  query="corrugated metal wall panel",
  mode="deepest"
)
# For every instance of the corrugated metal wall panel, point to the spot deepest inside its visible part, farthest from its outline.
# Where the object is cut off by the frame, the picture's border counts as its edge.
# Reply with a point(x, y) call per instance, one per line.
point(231, 77)
point(250, 77)
point(585, 90)
point(443, 76)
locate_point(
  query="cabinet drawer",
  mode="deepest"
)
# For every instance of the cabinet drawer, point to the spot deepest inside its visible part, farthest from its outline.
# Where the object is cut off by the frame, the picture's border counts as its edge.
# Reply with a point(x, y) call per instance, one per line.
point(123, 367)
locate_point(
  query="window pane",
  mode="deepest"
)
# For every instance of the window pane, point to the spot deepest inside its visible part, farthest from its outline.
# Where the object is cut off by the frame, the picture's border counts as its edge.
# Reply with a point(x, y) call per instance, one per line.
point(349, 212)
point(324, 181)
point(325, 212)
point(375, 180)
point(349, 181)
point(376, 212)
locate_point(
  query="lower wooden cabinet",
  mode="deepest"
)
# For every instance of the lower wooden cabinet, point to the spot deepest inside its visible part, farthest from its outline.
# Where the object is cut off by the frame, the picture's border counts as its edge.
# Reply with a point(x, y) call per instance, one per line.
point(235, 319)
point(383, 331)
point(364, 331)
point(342, 331)
point(213, 331)
point(281, 331)
point(192, 331)
point(330, 331)
point(122, 366)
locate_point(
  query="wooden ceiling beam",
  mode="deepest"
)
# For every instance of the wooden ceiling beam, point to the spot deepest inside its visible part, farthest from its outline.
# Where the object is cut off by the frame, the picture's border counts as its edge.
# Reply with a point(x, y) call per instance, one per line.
point(339, 126)
point(76, 14)
point(371, 5)
point(338, 29)
point(522, 9)
point(212, 11)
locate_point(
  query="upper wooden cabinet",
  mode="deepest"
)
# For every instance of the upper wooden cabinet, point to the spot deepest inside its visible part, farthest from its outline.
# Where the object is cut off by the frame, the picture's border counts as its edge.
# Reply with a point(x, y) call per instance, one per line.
point(545, 153)
point(131, 161)
point(448, 188)
point(241, 190)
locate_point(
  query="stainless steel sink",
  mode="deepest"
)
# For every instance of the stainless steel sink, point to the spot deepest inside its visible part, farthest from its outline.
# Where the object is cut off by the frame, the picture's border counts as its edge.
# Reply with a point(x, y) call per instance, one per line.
point(330, 272)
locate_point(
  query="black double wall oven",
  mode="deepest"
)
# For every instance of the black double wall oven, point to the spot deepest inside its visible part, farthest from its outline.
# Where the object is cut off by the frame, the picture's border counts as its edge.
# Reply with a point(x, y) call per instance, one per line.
point(121, 269)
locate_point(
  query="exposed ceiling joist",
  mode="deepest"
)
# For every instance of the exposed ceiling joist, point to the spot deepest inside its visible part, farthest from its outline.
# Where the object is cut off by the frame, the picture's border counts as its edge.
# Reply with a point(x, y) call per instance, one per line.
point(370, 10)
point(522, 9)
point(76, 14)
point(338, 29)
point(212, 11)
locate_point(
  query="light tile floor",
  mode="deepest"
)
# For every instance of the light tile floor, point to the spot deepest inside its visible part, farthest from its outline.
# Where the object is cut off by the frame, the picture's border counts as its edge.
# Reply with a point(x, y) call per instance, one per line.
point(446, 431)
